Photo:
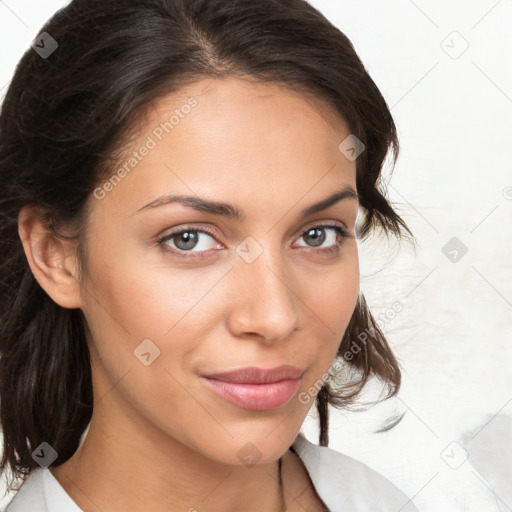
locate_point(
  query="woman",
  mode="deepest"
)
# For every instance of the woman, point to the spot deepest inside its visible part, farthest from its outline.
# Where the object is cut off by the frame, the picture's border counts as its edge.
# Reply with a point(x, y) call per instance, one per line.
point(180, 280)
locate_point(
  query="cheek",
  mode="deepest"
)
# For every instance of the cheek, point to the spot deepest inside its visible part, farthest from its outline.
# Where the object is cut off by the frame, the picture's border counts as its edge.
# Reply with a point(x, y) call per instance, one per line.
point(137, 291)
point(132, 302)
point(330, 301)
point(331, 294)
point(135, 301)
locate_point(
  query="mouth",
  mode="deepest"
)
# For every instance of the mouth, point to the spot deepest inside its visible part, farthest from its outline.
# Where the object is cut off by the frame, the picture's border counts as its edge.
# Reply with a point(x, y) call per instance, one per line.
point(256, 388)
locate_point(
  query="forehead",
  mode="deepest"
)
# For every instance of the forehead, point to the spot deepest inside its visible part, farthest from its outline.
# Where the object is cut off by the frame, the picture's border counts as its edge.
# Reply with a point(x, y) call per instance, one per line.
point(242, 94)
point(232, 137)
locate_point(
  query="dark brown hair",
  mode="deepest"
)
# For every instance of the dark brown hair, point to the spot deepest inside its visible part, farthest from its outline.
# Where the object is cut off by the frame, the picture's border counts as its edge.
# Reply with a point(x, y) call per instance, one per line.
point(66, 115)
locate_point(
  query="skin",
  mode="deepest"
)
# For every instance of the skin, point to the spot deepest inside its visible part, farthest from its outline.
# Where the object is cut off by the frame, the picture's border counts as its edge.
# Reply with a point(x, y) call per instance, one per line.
point(158, 435)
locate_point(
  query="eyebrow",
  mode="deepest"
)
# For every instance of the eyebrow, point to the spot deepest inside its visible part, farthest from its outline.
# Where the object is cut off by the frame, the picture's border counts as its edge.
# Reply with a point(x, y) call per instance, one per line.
point(233, 212)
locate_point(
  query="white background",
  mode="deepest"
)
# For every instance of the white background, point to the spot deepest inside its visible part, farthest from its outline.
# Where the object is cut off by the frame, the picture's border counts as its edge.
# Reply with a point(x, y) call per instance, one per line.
point(453, 109)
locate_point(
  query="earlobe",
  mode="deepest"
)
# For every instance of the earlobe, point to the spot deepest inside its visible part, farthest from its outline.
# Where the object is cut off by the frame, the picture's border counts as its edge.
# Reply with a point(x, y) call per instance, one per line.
point(50, 258)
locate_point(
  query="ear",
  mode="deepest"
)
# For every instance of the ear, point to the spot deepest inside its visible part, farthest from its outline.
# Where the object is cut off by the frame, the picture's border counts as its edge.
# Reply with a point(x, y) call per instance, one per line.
point(51, 259)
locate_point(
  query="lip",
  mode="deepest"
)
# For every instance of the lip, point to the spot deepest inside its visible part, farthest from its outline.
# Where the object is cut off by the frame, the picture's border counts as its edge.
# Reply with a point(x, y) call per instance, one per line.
point(255, 375)
point(256, 388)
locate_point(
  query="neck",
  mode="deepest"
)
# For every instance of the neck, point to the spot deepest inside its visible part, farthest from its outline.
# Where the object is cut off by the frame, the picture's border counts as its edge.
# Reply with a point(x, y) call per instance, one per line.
point(118, 459)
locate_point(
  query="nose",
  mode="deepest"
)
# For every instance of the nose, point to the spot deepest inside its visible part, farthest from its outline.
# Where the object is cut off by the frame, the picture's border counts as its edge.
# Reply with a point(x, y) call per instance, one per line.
point(263, 303)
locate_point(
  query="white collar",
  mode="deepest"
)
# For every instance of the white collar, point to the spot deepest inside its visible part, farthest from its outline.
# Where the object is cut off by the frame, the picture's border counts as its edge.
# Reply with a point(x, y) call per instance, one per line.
point(345, 484)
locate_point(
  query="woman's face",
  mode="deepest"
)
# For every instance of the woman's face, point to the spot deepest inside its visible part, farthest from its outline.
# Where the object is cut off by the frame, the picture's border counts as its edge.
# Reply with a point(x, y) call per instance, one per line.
point(262, 290)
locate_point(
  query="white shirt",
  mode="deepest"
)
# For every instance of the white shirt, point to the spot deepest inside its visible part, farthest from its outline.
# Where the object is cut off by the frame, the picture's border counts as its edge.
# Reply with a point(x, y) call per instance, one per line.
point(343, 483)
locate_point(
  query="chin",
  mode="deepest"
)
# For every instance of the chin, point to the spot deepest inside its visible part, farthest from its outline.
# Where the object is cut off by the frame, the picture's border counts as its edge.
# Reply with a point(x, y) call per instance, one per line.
point(258, 449)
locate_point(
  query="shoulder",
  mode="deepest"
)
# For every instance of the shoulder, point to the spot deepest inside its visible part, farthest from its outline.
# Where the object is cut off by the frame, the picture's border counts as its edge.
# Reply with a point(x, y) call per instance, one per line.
point(344, 483)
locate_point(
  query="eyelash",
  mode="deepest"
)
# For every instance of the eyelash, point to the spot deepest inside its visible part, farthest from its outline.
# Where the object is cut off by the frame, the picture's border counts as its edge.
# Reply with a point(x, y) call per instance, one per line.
point(341, 232)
